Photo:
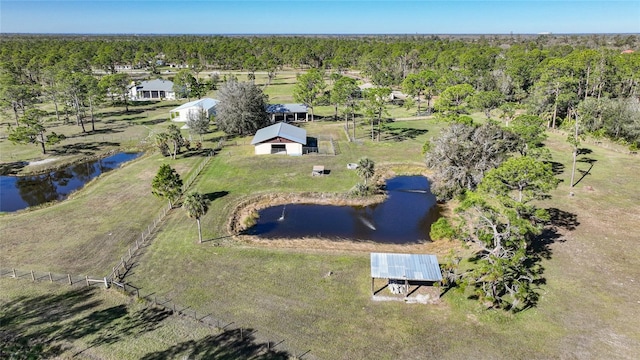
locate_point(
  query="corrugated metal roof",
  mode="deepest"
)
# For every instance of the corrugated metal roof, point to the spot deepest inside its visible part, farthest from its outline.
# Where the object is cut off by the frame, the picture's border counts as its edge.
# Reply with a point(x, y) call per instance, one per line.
point(287, 108)
point(405, 266)
point(205, 104)
point(281, 129)
point(156, 85)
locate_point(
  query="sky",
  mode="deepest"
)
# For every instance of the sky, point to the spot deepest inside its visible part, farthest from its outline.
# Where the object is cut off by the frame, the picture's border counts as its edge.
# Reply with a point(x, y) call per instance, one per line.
point(319, 17)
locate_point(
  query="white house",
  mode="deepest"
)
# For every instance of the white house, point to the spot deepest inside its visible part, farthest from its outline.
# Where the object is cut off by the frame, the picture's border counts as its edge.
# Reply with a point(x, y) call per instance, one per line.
point(280, 138)
point(182, 112)
point(158, 89)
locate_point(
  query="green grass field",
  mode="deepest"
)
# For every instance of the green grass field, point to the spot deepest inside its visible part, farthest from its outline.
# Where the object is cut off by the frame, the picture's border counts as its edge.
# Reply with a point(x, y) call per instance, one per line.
point(588, 308)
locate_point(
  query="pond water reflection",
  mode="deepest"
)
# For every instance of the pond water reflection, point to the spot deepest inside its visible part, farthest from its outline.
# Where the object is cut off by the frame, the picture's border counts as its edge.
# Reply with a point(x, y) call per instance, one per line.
point(404, 217)
point(19, 192)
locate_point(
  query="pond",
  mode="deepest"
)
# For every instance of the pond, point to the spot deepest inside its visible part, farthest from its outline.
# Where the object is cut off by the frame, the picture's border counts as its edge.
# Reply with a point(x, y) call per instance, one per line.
point(20, 192)
point(405, 217)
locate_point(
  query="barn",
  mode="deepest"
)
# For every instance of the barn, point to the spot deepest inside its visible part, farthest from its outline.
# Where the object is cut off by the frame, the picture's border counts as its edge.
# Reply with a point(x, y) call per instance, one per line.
point(280, 138)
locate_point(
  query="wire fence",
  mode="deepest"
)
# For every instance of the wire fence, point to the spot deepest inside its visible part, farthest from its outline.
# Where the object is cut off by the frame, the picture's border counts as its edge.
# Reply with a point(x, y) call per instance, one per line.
point(57, 278)
point(120, 270)
point(269, 342)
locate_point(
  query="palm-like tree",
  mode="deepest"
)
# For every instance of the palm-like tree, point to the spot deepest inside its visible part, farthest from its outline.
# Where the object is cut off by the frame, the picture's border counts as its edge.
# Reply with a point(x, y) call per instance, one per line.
point(196, 206)
point(365, 169)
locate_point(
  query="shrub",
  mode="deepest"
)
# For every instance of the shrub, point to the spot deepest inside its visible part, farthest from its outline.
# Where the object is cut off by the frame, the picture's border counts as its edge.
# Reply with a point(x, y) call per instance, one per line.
point(441, 230)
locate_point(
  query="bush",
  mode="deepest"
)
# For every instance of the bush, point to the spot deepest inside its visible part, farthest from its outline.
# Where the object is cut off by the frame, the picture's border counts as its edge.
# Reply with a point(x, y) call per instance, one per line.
point(441, 230)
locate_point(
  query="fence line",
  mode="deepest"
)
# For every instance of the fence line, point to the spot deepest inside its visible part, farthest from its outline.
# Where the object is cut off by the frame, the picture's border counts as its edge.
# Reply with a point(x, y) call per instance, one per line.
point(271, 342)
point(218, 323)
point(119, 271)
point(56, 278)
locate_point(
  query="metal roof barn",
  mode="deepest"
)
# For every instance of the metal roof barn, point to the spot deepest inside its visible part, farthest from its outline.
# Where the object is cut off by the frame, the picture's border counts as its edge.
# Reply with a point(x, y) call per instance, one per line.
point(282, 130)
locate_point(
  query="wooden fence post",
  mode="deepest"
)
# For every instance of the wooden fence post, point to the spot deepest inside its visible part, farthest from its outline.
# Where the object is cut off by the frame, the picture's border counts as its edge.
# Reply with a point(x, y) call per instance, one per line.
point(87, 279)
point(129, 253)
point(106, 285)
point(33, 278)
point(69, 277)
point(14, 273)
point(123, 262)
point(50, 277)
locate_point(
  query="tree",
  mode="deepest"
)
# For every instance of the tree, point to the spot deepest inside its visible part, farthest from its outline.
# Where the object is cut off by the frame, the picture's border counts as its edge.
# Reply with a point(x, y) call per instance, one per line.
point(519, 181)
point(366, 169)
point(531, 132)
point(453, 100)
point(343, 91)
point(162, 142)
point(167, 184)
point(31, 130)
point(198, 123)
point(241, 110)
point(196, 206)
point(463, 154)
point(175, 136)
point(486, 101)
point(375, 106)
point(502, 272)
point(422, 83)
point(14, 94)
point(118, 86)
point(182, 84)
point(309, 88)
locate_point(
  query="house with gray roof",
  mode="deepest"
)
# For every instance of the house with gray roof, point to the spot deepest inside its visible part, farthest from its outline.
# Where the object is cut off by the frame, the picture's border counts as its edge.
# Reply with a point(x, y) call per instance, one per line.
point(288, 112)
point(280, 138)
point(158, 89)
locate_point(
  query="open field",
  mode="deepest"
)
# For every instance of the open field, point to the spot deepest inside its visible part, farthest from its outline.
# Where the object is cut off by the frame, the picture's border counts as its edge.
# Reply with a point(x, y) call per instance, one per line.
point(589, 305)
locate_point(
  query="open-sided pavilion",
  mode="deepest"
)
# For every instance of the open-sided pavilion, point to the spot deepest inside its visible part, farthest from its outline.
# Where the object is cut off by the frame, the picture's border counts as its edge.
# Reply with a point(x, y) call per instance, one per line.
point(404, 268)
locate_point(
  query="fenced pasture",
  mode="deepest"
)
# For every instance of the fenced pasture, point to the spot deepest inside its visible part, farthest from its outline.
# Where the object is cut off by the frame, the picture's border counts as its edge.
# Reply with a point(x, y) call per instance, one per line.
point(62, 321)
point(315, 299)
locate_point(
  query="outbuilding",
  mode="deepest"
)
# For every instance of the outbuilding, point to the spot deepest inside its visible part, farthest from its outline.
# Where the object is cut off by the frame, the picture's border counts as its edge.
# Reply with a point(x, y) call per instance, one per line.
point(193, 108)
point(288, 112)
point(404, 270)
point(280, 138)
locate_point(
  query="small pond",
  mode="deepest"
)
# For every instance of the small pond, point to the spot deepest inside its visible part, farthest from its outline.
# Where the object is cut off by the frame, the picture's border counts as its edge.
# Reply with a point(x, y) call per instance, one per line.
point(405, 217)
point(19, 192)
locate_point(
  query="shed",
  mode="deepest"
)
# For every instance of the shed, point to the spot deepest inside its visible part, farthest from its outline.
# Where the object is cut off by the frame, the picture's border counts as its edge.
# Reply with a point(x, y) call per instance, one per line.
point(280, 138)
point(182, 112)
point(404, 268)
point(288, 112)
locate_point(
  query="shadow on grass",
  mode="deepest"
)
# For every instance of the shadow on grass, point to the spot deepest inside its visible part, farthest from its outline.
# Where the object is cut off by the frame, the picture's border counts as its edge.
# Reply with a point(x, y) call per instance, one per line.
point(151, 122)
point(46, 326)
point(88, 148)
point(12, 168)
point(404, 134)
point(231, 344)
point(215, 195)
point(556, 167)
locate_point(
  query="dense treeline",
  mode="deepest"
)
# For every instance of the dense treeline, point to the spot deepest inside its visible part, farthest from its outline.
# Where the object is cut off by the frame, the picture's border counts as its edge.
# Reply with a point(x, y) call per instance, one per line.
point(555, 77)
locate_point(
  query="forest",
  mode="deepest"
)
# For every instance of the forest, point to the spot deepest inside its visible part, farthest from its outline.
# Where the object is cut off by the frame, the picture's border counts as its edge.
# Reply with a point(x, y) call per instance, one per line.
point(561, 78)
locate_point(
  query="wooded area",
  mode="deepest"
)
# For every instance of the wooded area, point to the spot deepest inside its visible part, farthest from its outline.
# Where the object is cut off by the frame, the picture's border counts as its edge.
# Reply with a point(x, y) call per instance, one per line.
point(557, 77)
